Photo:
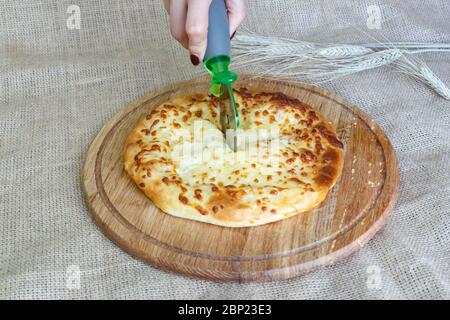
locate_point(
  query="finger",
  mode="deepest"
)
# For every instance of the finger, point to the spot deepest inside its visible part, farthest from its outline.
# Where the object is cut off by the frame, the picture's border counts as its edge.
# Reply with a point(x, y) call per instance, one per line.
point(177, 17)
point(197, 26)
point(236, 14)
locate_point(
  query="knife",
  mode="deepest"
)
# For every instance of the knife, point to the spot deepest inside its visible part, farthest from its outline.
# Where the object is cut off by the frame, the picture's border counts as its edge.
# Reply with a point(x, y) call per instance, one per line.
point(217, 61)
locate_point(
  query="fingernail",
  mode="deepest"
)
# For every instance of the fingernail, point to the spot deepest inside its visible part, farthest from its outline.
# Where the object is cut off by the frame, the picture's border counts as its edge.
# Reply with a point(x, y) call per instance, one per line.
point(195, 60)
point(232, 36)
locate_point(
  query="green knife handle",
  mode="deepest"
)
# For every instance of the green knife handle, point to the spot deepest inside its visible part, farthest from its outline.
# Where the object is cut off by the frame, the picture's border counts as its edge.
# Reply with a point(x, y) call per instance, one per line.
point(218, 31)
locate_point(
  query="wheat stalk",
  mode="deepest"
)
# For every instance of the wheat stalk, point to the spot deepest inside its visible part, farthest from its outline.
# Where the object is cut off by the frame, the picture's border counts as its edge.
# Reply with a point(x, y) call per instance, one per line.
point(418, 70)
point(324, 62)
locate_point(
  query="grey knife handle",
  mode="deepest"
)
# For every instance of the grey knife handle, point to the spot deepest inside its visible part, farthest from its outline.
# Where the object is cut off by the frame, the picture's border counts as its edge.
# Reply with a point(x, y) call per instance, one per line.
point(218, 30)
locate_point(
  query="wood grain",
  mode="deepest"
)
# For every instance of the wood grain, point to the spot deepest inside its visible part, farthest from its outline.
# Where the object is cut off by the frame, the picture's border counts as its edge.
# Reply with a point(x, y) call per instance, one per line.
point(354, 210)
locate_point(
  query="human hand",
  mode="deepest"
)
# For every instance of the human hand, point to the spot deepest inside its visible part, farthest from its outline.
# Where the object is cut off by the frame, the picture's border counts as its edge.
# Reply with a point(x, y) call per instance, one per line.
point(189, 23)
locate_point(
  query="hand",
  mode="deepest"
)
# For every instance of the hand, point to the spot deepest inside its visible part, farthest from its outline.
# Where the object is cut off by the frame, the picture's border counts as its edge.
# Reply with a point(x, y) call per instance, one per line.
point(189, 23)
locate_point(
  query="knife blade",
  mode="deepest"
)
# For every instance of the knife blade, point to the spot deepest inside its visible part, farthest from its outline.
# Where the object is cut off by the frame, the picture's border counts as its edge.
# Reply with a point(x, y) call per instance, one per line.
point(229, 117)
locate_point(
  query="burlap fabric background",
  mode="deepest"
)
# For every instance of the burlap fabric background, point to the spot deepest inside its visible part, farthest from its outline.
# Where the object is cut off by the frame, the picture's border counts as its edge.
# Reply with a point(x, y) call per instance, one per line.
point(59, 86)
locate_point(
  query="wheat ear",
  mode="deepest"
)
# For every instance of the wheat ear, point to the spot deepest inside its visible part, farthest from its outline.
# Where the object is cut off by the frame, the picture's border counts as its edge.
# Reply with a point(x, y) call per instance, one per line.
point(324, 62)
point(418, 70)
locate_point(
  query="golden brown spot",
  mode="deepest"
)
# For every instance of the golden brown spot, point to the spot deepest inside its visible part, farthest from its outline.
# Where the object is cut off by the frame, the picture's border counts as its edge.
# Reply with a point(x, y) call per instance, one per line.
point(244, 93)
point(330, 137)
point(198, 113)
point(313, 116)
point(201, 210)
point(142, 185)
point(273, 211)
point(296, 180)
point(155, 147)
point(198, 194)
point(236, 194)
point(330, 155)
point(215, 209)
point(318, 148)
point(310, 155)
point(183, 199)
point(326, 176)
point(285, 101)
point(233, 209)
point(304, 158)
point(165, 180)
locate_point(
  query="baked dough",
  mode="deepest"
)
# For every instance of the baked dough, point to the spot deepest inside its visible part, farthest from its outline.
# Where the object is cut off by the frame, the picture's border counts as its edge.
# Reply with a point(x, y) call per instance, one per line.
point(288, 158)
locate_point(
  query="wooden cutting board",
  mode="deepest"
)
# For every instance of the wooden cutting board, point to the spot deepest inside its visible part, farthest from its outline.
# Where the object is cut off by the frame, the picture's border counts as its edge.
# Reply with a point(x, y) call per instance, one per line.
point(354, 210)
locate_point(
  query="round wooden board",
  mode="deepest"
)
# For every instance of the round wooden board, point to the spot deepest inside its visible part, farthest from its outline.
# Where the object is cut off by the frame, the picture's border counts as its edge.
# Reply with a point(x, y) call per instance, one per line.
point(354, 210)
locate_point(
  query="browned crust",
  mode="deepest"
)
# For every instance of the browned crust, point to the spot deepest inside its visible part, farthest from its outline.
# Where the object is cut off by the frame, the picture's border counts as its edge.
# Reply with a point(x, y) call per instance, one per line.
point(227, 206)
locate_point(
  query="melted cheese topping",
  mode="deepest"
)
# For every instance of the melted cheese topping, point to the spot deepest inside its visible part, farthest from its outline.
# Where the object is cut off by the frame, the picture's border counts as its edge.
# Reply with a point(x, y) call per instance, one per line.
point(284, 150)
